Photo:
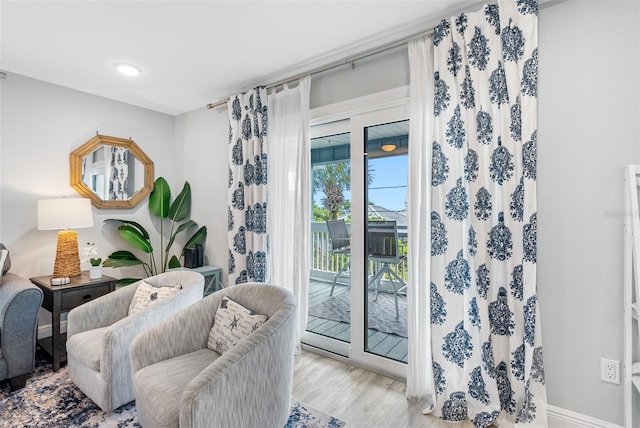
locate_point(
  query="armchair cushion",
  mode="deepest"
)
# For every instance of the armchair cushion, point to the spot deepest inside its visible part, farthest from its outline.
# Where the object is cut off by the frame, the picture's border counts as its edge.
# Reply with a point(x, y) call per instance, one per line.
point(232, 323)
point(147, 294)
point(86, 347)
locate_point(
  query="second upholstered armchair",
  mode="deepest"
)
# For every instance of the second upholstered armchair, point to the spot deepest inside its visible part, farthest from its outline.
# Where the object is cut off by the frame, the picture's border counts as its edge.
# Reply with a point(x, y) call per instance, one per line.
point(99, 332)
point(187, 373)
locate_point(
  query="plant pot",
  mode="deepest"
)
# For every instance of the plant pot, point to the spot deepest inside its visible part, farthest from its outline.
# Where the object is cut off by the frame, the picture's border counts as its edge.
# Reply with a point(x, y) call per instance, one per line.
point(95, 272)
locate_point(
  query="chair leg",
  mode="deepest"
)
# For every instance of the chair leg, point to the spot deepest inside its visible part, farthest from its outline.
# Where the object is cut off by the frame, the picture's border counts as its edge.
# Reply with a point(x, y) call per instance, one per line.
point(18, 382)
point(335, 278)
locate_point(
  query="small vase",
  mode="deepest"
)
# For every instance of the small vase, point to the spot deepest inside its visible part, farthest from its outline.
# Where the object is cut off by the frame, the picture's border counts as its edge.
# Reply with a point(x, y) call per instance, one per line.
point(95, 272)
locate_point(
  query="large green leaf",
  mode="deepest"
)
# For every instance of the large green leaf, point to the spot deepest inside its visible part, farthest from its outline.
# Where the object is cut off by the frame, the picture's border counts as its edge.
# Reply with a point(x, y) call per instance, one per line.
point(180, 207)
point(180, 228)
point(174, 263)
point(135, 238)
point(126, 281)
point(138, 226)
point(118, 263)
point(198, 238)
point(122, 255)
point(160, 198)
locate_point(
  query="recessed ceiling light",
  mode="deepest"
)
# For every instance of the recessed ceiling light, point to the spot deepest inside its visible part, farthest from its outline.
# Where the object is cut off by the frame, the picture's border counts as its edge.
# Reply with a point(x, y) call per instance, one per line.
point(128, 69)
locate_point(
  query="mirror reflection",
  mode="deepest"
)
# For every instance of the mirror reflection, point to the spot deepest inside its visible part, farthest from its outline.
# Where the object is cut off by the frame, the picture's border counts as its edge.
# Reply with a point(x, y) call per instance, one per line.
point(112, 172)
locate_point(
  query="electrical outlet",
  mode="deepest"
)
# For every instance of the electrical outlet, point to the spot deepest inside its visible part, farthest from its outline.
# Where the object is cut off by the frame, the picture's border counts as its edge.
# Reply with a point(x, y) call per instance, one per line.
point(609, 371)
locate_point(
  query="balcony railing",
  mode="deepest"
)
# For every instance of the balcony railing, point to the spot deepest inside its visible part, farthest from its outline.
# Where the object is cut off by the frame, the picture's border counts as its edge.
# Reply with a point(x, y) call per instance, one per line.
point(324, 265)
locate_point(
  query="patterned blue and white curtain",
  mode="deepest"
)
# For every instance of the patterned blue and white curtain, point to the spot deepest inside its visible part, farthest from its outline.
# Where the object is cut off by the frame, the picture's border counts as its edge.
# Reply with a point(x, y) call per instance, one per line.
point(485, 326)
point(247, 217)
point(119, 174)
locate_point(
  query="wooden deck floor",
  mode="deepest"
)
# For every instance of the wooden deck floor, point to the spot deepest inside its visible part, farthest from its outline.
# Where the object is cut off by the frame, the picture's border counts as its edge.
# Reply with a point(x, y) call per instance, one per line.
point(387, 345)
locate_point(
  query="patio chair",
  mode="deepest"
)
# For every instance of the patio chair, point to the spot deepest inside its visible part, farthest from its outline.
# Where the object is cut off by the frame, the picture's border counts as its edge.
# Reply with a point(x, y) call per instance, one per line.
point(383, 249)
point(340, 244)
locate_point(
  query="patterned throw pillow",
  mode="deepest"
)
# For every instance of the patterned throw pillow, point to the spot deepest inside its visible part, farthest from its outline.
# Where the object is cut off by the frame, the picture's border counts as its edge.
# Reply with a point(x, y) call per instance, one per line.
point(146, 295)
point(3, 256)
point(232, 323)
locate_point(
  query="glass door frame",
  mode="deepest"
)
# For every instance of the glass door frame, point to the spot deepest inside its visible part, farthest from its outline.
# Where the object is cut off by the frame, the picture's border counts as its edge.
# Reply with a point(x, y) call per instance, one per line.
point(353, 116)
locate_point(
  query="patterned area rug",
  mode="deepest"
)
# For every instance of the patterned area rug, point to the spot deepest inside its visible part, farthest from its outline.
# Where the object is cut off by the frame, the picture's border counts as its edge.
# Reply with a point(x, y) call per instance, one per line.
point(52, 400)
point(382, 313)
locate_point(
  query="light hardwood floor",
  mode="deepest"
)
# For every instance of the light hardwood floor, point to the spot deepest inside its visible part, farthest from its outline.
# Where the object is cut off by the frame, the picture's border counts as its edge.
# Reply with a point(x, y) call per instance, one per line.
point(359, 397)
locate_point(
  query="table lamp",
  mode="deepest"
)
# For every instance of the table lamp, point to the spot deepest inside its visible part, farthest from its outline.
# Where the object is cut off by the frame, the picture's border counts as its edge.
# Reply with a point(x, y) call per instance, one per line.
point(65, 214)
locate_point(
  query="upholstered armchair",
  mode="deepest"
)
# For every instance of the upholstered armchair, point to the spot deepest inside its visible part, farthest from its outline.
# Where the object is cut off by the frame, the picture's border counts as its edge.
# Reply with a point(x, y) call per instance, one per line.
point(99, 332)
point(19, 304)
point(179, 381)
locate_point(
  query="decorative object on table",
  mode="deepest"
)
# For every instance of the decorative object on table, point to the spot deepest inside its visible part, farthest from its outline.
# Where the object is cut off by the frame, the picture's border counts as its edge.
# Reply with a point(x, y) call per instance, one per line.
point(160, 206)
point(112, 172)
point(52, 399)
point(64, 214)
point(91, 250)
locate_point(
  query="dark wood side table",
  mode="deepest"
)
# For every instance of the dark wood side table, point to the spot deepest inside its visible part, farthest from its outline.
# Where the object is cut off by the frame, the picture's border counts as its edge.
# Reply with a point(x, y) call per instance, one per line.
point(63, 298)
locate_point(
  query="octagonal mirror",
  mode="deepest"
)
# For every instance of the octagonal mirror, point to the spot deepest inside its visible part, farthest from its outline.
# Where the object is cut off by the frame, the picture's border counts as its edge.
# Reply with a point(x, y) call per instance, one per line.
point(112, 172)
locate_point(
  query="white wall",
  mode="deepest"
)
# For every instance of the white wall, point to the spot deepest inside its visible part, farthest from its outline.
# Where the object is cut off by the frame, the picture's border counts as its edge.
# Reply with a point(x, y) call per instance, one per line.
point(202, 159)
point(41, 124)
point(588, 130)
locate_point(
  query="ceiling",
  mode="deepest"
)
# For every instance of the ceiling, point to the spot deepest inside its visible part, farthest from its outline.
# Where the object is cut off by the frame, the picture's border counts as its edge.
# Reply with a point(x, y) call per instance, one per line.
point(192, 53)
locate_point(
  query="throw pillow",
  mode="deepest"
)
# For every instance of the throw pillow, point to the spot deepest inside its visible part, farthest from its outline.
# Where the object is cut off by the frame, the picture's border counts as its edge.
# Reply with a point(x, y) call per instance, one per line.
point(6, 265)
point(232, 323)
point(147, 295)
point(3, 256)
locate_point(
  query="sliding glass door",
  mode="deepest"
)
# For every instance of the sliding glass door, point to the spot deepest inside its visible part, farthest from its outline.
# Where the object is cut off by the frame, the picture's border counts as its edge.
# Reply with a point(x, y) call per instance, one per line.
point(358, 278)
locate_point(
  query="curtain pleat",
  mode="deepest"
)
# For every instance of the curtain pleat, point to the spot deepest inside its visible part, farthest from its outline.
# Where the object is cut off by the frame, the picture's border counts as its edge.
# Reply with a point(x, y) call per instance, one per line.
point(419, 373)
point(289, 215)
point(484, 320)
point(247, 209)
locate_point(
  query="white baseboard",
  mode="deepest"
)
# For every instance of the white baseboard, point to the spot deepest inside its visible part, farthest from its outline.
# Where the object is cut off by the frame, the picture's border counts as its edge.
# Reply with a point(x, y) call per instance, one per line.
point(46, 330)
point(562, 418)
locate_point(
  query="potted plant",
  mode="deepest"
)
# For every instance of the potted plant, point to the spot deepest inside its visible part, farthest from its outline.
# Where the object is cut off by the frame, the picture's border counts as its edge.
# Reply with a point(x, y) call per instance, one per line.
point(91, 250)
point(170, 215)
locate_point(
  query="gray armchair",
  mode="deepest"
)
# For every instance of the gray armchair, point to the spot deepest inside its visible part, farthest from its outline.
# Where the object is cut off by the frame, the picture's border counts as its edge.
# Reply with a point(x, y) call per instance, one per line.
point(99, 334)
point(19, 304)
point(179, 381)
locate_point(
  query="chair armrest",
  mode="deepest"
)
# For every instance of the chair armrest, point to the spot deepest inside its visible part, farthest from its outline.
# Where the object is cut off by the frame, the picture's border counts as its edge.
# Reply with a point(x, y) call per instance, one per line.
point(19, 304)
point(101, 312)
point(186, 332)
point(271, 349)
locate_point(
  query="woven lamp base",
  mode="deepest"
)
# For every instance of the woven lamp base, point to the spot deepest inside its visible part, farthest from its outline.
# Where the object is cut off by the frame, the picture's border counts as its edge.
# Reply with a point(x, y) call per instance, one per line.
point(67, 257)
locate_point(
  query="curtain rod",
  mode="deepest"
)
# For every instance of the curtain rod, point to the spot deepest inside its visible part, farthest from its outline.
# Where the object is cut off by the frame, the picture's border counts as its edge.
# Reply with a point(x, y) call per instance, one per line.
point(543, 4)
point(338, 63)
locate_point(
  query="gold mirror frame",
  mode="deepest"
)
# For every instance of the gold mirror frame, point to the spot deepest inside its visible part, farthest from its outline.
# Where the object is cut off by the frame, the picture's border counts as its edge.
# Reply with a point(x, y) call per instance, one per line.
point(75, 160)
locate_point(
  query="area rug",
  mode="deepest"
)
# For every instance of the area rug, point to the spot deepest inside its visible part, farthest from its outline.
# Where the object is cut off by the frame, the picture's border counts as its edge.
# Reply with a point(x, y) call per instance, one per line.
point(382, 313)
point(52, 400)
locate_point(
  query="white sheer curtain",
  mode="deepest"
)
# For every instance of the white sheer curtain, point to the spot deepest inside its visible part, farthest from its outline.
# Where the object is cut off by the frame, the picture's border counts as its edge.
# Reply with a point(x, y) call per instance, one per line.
point(288, 218)
point(419, 371)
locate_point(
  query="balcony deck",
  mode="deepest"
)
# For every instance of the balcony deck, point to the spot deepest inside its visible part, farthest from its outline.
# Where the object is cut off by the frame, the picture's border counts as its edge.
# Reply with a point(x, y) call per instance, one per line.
point(387, 345)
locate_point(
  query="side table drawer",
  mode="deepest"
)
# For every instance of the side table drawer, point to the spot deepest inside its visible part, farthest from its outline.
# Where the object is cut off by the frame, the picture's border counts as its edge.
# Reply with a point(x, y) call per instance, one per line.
point(73, 298)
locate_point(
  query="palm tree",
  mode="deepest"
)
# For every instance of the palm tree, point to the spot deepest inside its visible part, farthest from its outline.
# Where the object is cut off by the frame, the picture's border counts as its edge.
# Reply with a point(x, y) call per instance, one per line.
point(333, 180)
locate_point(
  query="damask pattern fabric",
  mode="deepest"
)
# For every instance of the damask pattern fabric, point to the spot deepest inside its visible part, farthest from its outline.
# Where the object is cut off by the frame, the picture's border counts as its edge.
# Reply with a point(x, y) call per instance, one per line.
point(147, 294)
point(119, 174)
point(247, 211)
point(485, 328)
point(232, 323)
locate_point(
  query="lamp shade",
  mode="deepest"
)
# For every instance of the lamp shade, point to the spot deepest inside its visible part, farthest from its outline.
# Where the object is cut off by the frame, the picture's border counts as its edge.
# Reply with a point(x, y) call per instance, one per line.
point(64, 213)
